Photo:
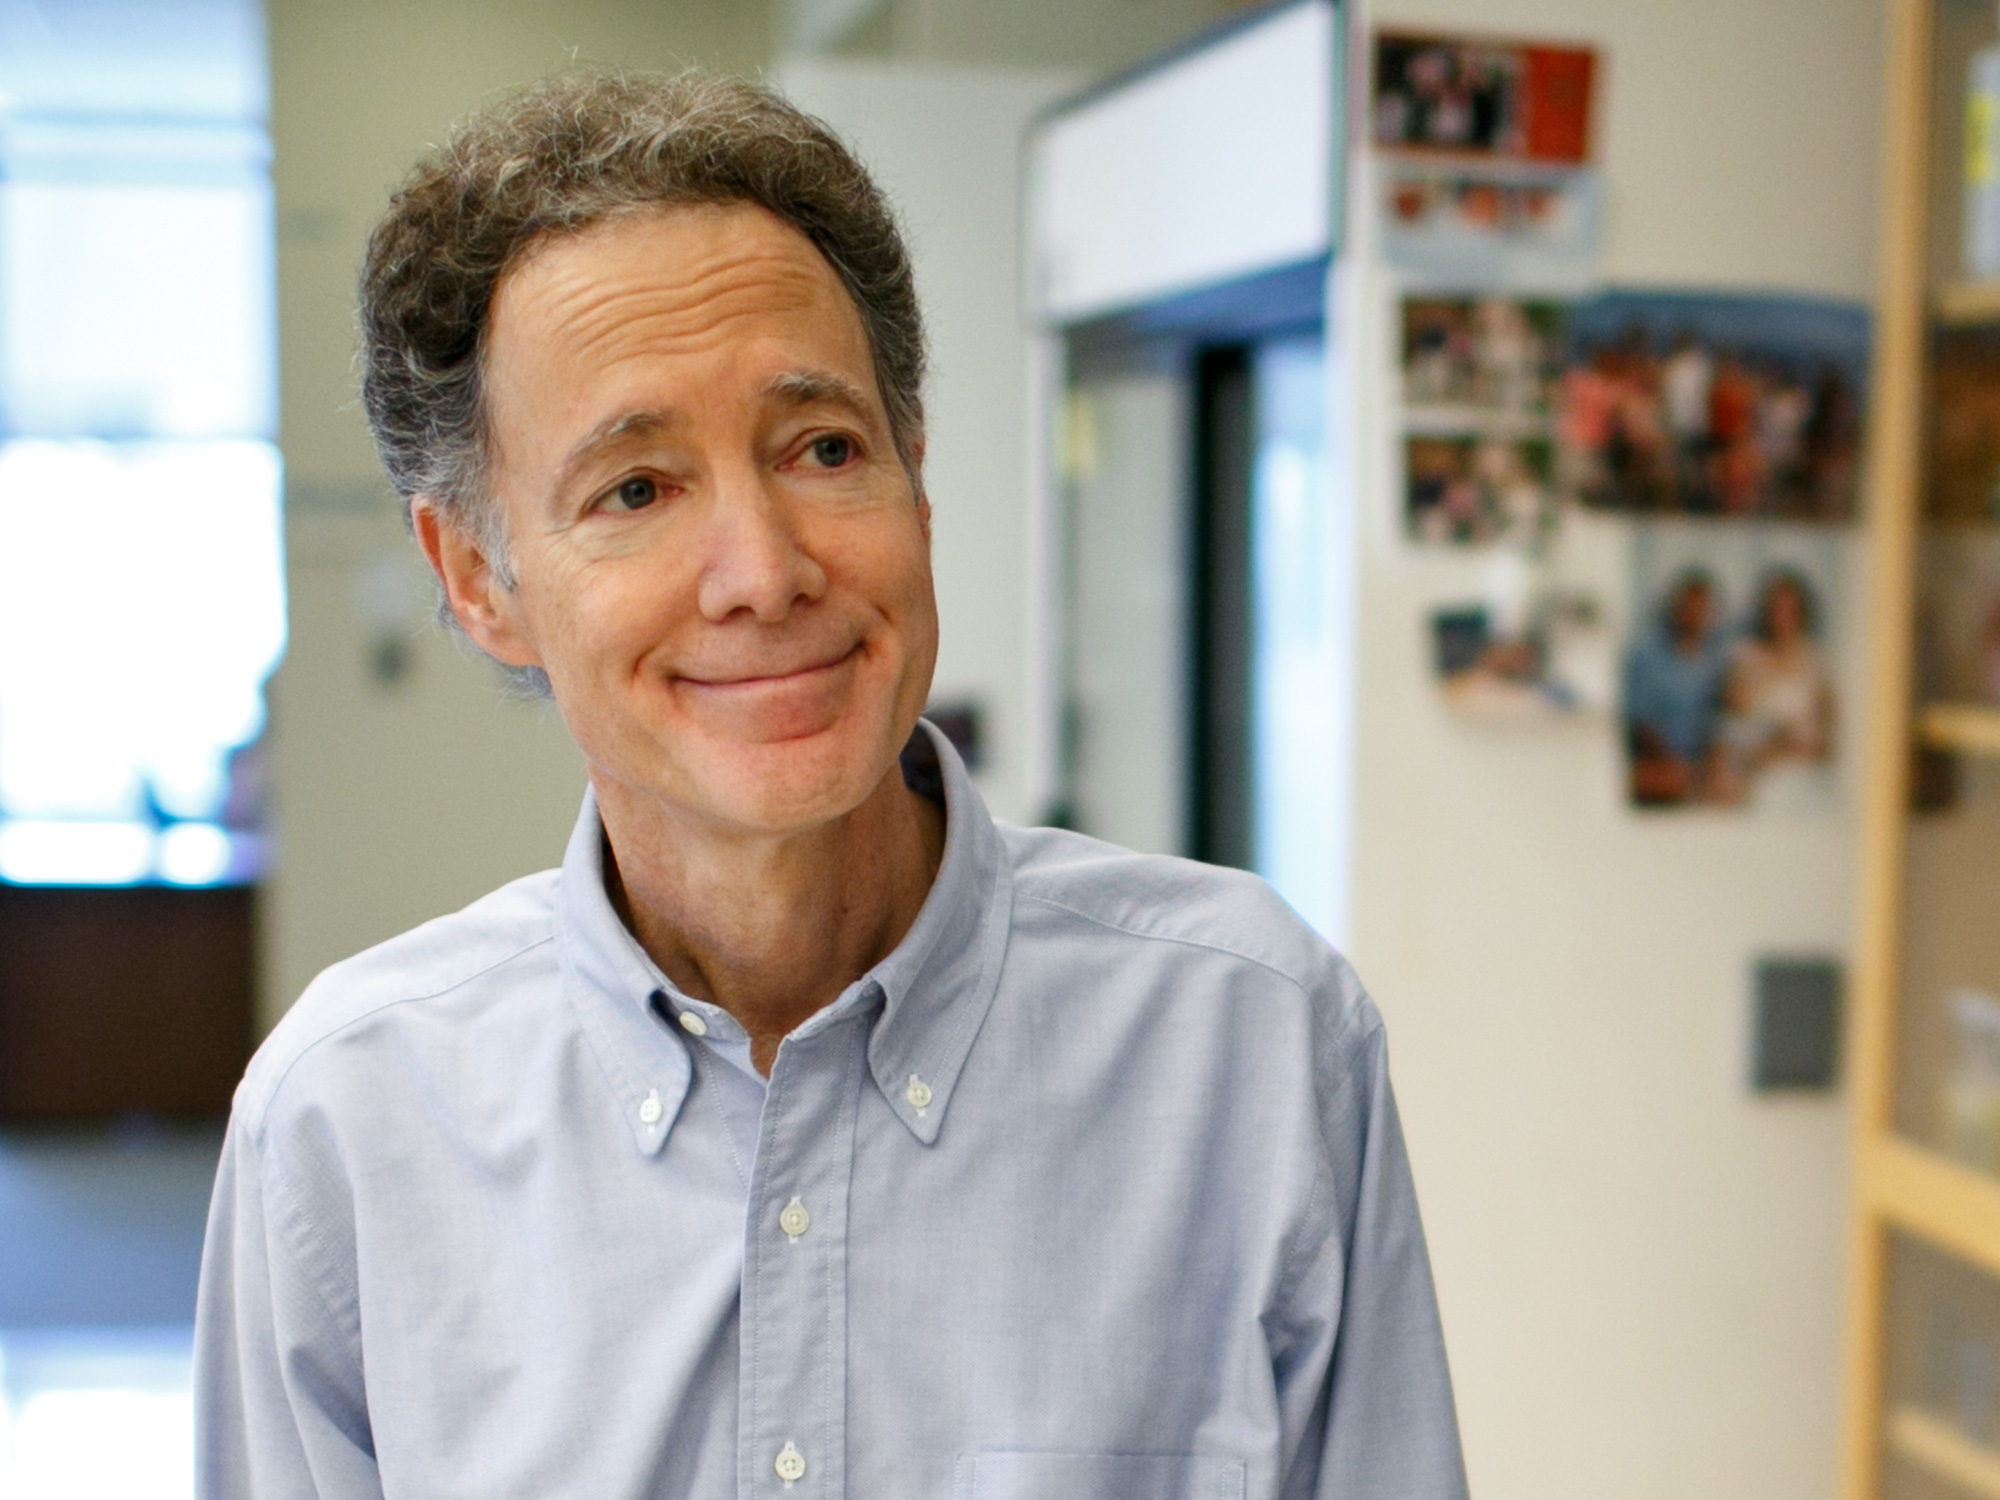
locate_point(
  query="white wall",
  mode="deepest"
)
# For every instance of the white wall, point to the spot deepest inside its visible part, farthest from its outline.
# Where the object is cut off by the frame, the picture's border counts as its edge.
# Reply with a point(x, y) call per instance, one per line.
point(1639, 1261)
point(1096, 35)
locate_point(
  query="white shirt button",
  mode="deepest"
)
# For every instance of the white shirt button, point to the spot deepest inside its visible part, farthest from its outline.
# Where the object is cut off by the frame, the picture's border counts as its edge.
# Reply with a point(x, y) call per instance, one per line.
point(651, 1110)
point(693, 1024)
point(790, 1464)
point(918, 1093)
point(794, 1219)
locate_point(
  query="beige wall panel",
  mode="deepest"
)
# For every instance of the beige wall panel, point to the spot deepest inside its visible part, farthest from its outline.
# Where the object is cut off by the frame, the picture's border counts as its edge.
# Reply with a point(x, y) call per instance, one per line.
point(397, 801)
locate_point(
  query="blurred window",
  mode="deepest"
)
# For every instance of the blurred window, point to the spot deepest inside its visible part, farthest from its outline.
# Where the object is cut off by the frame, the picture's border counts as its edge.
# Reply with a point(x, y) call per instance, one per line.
point(1296, 724)
point(141, 571)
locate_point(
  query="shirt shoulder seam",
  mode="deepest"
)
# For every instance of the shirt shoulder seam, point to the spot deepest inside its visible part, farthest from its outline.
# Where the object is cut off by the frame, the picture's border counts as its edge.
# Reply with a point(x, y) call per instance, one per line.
point(1209, 944)
point(270, 1094)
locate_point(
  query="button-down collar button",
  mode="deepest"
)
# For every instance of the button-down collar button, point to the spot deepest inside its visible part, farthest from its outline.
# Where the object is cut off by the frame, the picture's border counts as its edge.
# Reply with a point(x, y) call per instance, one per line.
point(651, 1109)
point(794, 1219)
point(918, 1094)
point(693, 1024)
point(790, 1464)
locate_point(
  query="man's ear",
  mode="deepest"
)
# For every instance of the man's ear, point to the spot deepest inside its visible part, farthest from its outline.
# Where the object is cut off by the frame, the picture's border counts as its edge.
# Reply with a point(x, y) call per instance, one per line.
point(483, 604)
point(923, 496)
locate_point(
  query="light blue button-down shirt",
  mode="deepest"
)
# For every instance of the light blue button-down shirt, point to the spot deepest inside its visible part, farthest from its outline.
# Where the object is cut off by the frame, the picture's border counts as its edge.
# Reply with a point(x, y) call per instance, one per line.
point(1092, 1189)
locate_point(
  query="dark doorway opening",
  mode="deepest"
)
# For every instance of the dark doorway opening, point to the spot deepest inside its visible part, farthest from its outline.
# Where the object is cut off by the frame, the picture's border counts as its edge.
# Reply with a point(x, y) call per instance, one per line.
point(1221, 811)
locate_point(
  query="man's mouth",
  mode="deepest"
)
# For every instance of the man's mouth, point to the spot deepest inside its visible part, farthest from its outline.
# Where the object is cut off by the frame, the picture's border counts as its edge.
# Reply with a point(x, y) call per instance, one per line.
point(774, 674)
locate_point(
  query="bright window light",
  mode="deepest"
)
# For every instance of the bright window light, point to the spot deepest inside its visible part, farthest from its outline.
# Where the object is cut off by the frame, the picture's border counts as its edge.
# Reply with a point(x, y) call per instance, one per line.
point(194, 854)
point(141, 608)
point(1295, 714)
point(141, 568)
point(104, 1445)
point(34, 852)
point(135, 308)
point(96, 1414)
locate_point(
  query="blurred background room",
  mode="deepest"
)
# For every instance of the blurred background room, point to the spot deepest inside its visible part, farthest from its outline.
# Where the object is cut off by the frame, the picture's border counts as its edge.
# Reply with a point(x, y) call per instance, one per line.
point(1520, 476)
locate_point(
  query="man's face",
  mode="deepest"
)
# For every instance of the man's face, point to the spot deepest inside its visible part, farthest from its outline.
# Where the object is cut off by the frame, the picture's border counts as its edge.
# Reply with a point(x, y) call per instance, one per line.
point(719, 561)
point(1690, 612)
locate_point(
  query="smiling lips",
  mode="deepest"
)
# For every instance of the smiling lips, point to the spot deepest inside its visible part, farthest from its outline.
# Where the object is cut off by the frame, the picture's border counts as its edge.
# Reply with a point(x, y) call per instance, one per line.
point(776, 705)
point(761, 679)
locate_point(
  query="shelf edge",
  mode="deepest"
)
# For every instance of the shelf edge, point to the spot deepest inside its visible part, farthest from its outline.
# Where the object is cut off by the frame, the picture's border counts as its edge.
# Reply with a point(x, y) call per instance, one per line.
point(1932, 1197)
point(1971, 727)
point(1934, 1444)
point(1968, 302)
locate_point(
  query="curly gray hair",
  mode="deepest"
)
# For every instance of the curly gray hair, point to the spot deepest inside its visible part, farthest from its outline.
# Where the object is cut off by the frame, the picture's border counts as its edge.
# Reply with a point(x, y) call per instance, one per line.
point(556, 158)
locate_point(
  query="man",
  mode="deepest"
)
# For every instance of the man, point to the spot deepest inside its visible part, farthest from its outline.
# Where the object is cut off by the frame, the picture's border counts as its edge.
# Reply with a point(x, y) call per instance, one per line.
point(1674, 679)
point(806, 1133)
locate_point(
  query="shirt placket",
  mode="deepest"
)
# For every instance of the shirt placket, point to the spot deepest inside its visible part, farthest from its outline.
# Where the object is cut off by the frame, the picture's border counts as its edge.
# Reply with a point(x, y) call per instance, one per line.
point(793, 1411)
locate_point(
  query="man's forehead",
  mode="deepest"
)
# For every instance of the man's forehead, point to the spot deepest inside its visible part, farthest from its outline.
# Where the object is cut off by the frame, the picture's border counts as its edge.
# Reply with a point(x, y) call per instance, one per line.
point(667, 254)
point(608, 325)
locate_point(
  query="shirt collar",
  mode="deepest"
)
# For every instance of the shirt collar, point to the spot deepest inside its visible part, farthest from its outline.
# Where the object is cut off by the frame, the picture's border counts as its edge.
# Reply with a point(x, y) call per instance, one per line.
point(938, 983)
point(929, 995)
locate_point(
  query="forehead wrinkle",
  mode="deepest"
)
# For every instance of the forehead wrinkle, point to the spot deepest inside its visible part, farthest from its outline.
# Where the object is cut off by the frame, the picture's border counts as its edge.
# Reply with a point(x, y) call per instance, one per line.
point(699, 317)
point(689, 305)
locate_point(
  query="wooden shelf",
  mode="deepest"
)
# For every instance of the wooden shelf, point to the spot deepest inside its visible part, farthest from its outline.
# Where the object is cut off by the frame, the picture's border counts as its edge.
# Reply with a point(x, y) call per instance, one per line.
point(1902, 1189)
point(1968, 302)
point(1938, 1447)
point(1954, 1207)
point(1971, 727)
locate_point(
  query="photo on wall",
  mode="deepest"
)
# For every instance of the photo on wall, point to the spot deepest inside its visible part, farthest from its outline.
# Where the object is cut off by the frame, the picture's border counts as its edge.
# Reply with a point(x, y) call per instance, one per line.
point(1699, 404)
point(1516, 663)
point(1494, 355)
point(1473, 488)
point(1729, 696)
point(1479, 376)
point(1530, 224)
point(1482, 96)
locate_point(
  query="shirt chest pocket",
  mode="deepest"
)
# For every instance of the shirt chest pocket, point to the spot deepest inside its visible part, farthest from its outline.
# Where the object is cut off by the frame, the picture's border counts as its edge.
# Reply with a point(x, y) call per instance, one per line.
point(1096, 1476)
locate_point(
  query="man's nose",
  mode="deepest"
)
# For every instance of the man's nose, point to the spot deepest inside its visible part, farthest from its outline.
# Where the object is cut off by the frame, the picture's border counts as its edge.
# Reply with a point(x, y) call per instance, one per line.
point(754, 560)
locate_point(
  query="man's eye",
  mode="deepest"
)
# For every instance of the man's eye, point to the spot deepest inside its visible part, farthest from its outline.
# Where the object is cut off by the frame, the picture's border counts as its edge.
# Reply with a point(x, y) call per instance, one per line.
point(637, 493)
point(832, 451)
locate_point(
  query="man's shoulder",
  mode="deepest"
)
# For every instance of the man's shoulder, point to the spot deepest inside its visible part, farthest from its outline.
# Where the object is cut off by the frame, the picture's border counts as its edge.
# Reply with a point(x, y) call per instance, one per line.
point(1154, 899)
point(440, 958)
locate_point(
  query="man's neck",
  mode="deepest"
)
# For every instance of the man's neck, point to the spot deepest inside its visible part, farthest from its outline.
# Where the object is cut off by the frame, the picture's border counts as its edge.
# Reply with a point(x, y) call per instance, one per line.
point(772, 930)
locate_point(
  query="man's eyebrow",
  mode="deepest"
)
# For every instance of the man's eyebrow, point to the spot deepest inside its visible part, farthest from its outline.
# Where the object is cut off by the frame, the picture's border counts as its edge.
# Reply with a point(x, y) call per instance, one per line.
point(792, 387)
point(805, 387)
point(609, 434)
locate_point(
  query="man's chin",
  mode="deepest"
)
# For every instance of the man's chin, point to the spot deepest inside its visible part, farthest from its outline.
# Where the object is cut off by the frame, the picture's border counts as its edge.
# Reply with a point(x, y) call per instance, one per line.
point(787, 785)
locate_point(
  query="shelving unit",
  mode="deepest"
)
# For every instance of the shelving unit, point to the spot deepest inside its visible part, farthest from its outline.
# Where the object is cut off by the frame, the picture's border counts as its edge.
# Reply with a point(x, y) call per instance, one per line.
point(1971, 728)
point(1936, 1445)
point(1968, 302)
point(1921, 1418)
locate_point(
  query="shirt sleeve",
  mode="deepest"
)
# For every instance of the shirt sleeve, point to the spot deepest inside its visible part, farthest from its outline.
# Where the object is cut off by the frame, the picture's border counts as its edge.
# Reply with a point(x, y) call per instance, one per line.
point(280, 1408)
point(1381, 1425)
